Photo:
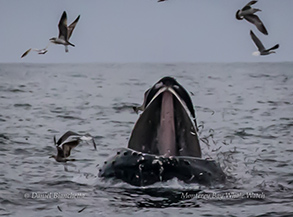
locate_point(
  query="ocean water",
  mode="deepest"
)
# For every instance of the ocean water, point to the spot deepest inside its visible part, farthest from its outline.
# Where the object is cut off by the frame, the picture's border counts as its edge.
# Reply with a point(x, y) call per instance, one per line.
point(246, 115)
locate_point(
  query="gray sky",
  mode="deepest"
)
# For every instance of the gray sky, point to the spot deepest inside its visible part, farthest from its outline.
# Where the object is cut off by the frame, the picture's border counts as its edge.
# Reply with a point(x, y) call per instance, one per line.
point(144, 30)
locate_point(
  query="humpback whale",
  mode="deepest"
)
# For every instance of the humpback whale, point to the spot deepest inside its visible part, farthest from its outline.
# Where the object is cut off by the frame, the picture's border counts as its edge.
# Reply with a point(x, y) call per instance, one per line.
point(164, 142)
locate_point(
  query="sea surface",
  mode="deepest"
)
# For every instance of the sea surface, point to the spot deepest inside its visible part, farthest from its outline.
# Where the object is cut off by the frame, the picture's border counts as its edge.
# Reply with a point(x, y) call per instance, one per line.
point(245, 111)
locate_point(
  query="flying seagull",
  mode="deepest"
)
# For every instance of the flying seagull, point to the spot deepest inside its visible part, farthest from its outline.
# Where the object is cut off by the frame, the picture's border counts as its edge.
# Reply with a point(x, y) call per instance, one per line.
point(65, 31)
point(39, 51)
point(261, 49)
point(67, 142)
point(247, 12)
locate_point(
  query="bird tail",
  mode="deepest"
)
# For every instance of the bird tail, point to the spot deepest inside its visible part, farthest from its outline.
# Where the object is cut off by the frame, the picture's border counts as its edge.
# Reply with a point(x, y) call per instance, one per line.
point(70, 44)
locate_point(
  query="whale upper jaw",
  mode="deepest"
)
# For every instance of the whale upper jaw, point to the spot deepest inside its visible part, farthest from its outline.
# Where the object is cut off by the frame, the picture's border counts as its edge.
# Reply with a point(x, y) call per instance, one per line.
point(165, 127)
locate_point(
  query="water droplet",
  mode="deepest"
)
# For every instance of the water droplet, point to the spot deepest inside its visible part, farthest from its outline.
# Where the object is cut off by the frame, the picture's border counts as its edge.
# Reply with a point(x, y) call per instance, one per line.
point(191, 178)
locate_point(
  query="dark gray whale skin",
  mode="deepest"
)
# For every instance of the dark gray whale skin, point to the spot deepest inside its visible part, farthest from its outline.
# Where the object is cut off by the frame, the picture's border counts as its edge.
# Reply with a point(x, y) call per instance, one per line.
point(164, 143)
point(140, 169)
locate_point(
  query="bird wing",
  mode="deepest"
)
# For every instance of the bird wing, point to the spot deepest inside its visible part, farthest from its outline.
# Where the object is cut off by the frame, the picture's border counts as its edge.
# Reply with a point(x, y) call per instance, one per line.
point(247, 6)
point(71, 27)
point(63, 26)
point(65, 137)
point(94, 144)
point(274, 47)
point(40, 51)
point(60, 152)
point(82, 209)
point(68, 146)
point(25, 53)
point(47, 45)
point(257, 41)
point(254, 19)
point(87, 137)
point(59, 208)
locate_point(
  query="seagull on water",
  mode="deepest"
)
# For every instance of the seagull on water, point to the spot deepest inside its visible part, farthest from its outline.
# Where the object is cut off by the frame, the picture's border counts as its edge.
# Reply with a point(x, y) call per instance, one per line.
point(247, 12)
point(39, 51)
point(67, 142)
point(261, 49)
point(65, 31)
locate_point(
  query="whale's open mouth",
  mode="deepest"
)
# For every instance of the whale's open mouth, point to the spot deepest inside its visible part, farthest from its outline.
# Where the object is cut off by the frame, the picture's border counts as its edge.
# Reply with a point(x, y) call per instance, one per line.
point(165, 127)
point(164, 142)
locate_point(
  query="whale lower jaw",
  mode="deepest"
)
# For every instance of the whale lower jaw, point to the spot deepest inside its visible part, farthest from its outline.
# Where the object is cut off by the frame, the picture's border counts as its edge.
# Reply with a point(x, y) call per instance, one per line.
point(141, 169)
